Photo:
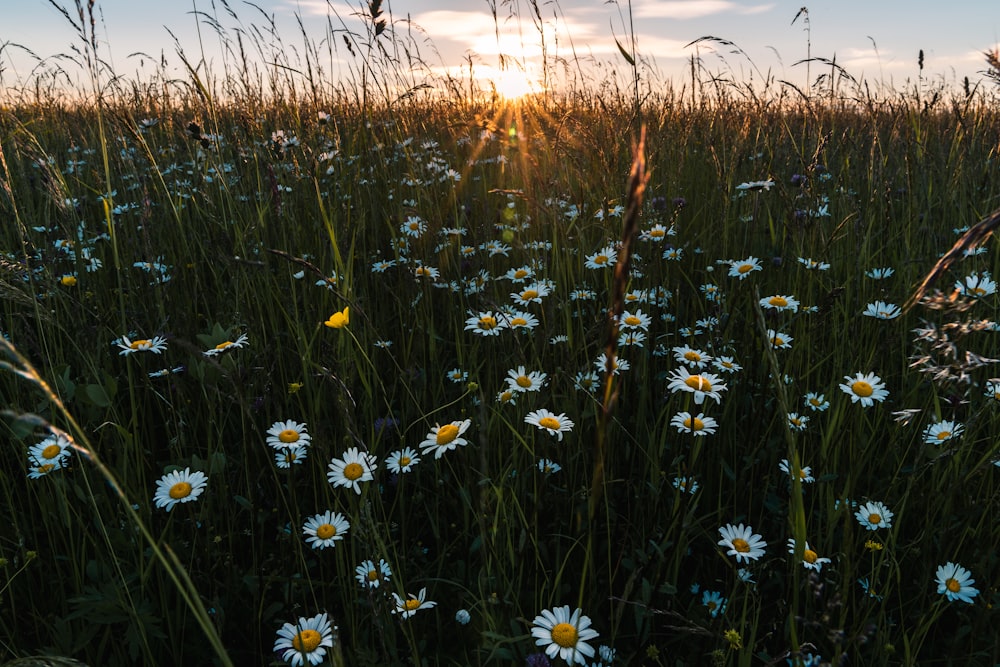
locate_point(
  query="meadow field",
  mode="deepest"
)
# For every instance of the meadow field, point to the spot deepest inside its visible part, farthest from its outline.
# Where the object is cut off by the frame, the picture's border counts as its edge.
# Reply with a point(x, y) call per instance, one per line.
point(379, 372)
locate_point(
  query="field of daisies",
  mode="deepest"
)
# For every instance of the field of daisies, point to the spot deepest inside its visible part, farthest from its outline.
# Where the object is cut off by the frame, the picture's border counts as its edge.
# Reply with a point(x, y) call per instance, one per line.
point(305, 378)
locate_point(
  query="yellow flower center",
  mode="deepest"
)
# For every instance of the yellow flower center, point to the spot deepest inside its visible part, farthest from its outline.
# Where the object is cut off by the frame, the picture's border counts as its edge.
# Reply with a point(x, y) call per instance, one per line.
point(691, 355)
point(778, 341)
point(353, 471)
point(290, 457)
point(143, 344)
point(698, 383)
point(68, 281)
point(795, 421)
point(601, 259)
point(809, 556)
point(952, 585)
point(944, 435)
point(520, 274)
point(656, 233)
point(51, 451)
point(518, 322)
point(743, 268)
point(506, 396)
point(694, 423)
point(815, 401)
point(874, 519)
point(411, 604)
point(712, 605)
point(529, 294)
point(978, 291)
point(862, 388)
point(523, 381)
point(306, 641)
point(778, 301)
point(372, 575)
point(326, 531)
point(180, 490)
point(633, 321)
point(45, 468)
point(741, 545)
point(220, 346)
point(446, 434)
point(414, 226)
point(289, 435)
point(549, 422)
point(802, 474)
point(422, 271)
point(565, 635)
point(404, 461)
point(487, 322)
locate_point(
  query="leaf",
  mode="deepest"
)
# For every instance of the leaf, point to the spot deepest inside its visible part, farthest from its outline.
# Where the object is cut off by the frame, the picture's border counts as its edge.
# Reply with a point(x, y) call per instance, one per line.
point(625, 54)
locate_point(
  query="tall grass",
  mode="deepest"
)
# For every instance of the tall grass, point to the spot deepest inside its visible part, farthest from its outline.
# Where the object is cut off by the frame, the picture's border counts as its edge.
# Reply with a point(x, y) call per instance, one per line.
point(258, 203)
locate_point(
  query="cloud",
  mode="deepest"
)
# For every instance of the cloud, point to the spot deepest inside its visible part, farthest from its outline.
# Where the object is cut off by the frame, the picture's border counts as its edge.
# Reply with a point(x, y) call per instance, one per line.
point(694, 9)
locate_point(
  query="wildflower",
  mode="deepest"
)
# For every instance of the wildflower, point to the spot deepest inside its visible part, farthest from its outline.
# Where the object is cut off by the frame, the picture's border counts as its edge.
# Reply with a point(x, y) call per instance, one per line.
point(555, 424)
point(413, 603)
point(589, 380)
point(741, 542)
point(756, 185)
point(507, 397)
point(881, 310)
point(156, 345)
point(797, 422)
point(421, 271)
point(711, 291)
point(582, 295)
point(813, 265)
point(993, 390)
point(227, 346)
point(880, 274)
point(874, 545)
point(564, 634)
point(306, 640)
point(955, 583)
point(636, 320)
point(534, 293)
point(37, 470)
point(734, 638)
point(673, 254)
point(874, 515)
point(637, 338)
point(688, 484)
point(53, 450)
point(339, 320)
point(942, 431)
point(457, 375)
point(324, 530)
point(179, 486)
point(779, 340)
point(686, 354)
point(744, 267)
point(350, 471)
point(371, 575)
point(726, 365)
point(402, 460)
point(521, 381)
point(805, 474)
point(976, 286)
point(68, 280)
point(413, 226)
point(164, 372)
point(868, 589)
point(701, 385)
point(699, 426)
point(444, 438)
point(519, 275)
point(520, 320)
point(548, 466)
point(779, 303)
point(617, 365)
point(484, 324)
point(383, 265)
point(287, 434)
point(285, 458)
point(462, 617)
point(714, 601)
point(816, 402)
point(864, 388)
point(602, 259)
point(657, 233)
point(810, 559)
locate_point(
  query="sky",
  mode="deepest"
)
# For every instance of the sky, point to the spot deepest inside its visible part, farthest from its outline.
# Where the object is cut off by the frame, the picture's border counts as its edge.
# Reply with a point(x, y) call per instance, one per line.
point(878, 40)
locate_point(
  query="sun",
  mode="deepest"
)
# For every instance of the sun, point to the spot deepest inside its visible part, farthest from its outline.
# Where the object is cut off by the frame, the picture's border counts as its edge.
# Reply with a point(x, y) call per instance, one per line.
point(511, 84)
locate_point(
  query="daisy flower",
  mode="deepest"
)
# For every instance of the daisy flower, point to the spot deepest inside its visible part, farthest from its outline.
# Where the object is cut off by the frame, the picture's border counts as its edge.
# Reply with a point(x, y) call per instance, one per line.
point(507, 397)
point(305, 641)
point(564, 634)
point(519, 275)
point(881, 310)
point(602, 259)
point(726, 365)
point(421, 271)
point(484, 324)
point(976, 286)
point(701, 385)
point(636, 320)
point(444, 438)
point(864, 388)
point(779, 340)
point(227, 346)
point(179, 486)
point(880, 274)
point(402, 460)
point(810, 559)
point(993, 390)
point(38, 470)
point(626, 338)
point(941, 431)
point(617, 365)
point(409, 607)
point(656, 233)
point(955, 583)
point(457, 375)
point(156, 345)
point(520, 320)
point(744, 267)
point(686, 354)
point(521, 381)
point(548, 466)
point(533, 293)
point(797, 422)
point(812, 264)
point(741, 542)
point(673, 254)
point(816, 402)
point(588, 381)
point(413, 226)
point(688, 484)
point(699, 426)
point(326, 529)
point(53, 450)
point(287, 434)
point(354, 468)
point(805, 474)
point(371, 575)
point(555, 424)
point(874, 515)
point(779, 303)
point(714, 601)
point(288, 456)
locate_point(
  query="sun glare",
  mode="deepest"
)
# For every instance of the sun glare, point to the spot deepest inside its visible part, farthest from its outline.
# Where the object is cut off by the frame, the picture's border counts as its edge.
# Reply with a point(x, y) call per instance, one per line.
point(510, 83)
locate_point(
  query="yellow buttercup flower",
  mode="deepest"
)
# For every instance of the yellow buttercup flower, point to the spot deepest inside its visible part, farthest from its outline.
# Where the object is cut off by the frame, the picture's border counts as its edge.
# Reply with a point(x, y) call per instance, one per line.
point(339, 320)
